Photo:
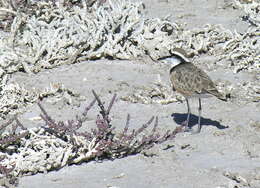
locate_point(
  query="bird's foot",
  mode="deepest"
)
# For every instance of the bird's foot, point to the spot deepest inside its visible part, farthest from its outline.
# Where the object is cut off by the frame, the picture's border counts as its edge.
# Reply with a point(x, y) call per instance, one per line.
point(186, 126)
point(185, 123)
point(195, 131)
point(192, 131)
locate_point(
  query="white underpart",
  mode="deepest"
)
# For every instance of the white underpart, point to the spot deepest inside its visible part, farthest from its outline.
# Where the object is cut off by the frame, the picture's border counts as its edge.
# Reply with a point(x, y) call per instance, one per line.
point(173, 61)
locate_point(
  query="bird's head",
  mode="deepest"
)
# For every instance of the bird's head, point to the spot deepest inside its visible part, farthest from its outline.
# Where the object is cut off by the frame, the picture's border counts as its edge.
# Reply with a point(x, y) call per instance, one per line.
point(178, 56)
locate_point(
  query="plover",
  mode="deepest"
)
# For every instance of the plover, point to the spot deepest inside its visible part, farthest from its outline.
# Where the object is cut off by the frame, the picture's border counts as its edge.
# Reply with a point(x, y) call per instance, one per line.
point(190, 81)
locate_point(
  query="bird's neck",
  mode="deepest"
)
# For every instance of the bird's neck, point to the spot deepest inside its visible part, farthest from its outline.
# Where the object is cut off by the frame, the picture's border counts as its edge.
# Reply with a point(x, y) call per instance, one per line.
point(175, 61)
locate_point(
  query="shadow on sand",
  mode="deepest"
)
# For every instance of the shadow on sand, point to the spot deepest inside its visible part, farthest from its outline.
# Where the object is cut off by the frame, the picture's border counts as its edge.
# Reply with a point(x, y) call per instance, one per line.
point(180, 118)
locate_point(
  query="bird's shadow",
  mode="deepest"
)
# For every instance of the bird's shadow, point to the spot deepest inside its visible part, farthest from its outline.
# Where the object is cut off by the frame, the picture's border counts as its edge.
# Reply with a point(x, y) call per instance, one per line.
point(180, 118)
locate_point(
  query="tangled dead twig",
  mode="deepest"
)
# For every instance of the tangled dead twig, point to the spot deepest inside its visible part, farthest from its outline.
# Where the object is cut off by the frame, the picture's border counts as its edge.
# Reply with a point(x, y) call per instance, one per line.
point(60, 143)
point(12, 136)
point(108, 143)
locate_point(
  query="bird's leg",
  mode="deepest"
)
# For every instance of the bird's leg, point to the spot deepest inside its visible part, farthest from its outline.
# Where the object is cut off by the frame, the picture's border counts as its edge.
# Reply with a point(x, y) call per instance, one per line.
point(199, 125)
point(186, 123)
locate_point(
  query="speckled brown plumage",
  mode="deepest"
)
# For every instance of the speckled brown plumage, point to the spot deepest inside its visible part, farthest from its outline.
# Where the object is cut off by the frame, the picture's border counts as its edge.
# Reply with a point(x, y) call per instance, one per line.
point(190, 81)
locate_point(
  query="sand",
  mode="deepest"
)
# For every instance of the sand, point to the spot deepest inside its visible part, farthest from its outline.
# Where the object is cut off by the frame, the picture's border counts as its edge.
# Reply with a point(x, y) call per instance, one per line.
point(226, 154)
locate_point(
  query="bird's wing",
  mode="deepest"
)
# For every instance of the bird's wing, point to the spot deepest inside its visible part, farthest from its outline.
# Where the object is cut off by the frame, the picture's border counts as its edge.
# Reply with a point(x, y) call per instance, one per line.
point(208, 86)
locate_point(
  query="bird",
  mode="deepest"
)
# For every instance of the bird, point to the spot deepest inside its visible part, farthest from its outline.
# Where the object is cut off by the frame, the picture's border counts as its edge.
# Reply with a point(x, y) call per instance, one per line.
point(190, 81)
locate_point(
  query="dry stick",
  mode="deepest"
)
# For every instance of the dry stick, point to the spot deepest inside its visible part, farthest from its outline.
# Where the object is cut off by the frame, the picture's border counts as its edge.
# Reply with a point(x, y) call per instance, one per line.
point(123, 135)
point(144, 126)
point(84, 114)
point(19, 124)
point(98, 100)
point(105, 115)
point(153, 136)
point(101, 106)
point(108, 110)
point(53, 127)
point(111, 104)
point(13, 138)
point(14, 127)
point(155, 125)
point(7, 123)
point(83, 117)
point(49, 122)
point(89, 107)
point(135, 133)
point(127, 124)
point(47, 117)
point(127, 144)
point(170, 135)
point(103, 111)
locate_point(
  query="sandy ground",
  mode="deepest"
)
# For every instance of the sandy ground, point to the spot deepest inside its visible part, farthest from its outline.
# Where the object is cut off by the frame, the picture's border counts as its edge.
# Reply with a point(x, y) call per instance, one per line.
point(226, 152)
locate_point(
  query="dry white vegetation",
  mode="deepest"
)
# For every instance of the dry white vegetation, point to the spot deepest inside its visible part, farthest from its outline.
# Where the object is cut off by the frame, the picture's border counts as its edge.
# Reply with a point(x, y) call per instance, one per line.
point(55, 35)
